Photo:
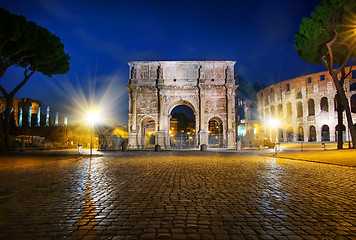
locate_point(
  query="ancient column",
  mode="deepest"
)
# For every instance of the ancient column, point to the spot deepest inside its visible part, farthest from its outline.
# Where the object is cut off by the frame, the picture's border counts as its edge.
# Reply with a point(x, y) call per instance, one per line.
point(203, 133)
point(56, 122)
point(47, 117)
point(133, 127)
point(29, 116)
point(160, 135)
point(20, 118)
point(230, 116)
point(39, 117)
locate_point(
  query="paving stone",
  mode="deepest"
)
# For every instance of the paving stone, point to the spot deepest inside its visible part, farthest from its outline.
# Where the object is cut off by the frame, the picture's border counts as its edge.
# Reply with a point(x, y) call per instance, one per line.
point(179, 195)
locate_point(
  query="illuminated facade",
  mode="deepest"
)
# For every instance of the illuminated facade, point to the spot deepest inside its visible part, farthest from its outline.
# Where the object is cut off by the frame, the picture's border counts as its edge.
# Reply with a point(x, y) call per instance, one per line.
point(207, 87)
point(306, 108)
point(23, 107)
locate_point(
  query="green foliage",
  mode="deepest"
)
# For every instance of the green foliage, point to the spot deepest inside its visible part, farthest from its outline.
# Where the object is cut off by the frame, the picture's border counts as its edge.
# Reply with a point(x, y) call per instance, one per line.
point(328, 18)
point(25, 44)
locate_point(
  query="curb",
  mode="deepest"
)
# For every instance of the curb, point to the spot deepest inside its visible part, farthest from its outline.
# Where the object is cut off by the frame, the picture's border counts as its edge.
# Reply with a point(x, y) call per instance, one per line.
point(305, 160)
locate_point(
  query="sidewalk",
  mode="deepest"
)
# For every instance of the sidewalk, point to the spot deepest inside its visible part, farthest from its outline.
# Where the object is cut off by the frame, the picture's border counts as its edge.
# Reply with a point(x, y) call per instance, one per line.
point(345, 157)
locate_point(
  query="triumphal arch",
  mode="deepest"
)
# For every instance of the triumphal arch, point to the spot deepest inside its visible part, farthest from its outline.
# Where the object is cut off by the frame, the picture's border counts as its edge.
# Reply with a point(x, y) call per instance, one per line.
point(156, 87)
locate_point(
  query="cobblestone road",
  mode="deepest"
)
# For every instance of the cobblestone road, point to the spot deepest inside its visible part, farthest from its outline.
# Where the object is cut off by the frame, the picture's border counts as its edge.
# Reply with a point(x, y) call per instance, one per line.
point(184, 195)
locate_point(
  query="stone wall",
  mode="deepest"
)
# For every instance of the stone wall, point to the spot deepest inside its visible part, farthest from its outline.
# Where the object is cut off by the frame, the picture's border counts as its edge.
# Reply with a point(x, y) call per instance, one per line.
point(305, 107)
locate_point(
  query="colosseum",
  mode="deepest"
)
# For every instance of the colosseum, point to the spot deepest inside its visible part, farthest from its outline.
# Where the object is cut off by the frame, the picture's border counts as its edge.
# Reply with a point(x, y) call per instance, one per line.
point(305, 109)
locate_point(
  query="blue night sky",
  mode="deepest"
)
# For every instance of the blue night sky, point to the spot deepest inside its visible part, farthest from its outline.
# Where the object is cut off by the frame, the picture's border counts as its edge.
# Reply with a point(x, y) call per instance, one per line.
point(102, 36)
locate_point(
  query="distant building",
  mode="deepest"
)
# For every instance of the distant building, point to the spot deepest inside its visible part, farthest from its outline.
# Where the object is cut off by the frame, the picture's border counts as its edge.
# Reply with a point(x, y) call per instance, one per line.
point(27, 112)
point(22, 105)
point(247, 119)
point(173, 126)
point(306, 108)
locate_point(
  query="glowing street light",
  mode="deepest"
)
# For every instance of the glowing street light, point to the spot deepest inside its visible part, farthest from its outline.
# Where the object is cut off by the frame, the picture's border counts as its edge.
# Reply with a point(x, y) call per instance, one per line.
point(93, 117)
point(274, 124)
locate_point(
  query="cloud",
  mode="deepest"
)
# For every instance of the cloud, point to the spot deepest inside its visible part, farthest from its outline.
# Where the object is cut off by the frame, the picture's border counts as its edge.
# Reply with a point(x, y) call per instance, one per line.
point(56, 8)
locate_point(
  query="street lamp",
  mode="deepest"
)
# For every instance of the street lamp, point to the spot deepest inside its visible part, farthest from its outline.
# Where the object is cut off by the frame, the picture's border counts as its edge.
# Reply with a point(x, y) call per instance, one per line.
point(274, 124)
point(92, 117)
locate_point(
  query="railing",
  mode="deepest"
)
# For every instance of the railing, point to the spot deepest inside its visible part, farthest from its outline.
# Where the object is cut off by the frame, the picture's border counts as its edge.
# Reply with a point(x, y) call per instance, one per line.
point(183, 141)
point(216, 140)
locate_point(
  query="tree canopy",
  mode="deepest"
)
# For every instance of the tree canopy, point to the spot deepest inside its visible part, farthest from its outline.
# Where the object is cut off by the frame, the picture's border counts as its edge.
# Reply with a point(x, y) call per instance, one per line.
point(328, 37)
point(331, 18)
point(25, 44)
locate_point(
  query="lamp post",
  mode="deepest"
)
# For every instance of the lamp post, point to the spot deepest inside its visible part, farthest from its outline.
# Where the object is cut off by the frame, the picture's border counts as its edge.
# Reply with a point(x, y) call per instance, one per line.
point(93, 117)
point(274, 123)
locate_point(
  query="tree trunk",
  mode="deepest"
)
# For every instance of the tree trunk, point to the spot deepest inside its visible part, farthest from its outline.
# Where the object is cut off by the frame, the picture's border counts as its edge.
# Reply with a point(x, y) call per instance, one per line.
point(340, 121)
point(6, 128)
point(2, 138)
point(345, 103)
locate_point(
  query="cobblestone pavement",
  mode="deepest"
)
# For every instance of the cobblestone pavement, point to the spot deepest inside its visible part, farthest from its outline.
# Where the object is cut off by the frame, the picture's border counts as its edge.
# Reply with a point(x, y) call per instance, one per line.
point(178, 195)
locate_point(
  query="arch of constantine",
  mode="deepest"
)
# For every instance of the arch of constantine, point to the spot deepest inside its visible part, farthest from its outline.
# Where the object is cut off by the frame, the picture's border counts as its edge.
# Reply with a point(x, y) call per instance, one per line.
point(156, 87)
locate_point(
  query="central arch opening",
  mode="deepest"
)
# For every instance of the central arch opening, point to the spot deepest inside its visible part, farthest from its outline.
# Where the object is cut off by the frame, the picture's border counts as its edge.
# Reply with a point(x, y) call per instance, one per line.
point(182, 128)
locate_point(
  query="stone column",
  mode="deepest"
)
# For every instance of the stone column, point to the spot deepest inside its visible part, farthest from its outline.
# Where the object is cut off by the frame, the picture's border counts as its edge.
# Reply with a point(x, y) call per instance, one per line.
point(39, 117)
point(133, 128)
point(30, 117)
point(332, 132)
point(47, 117)
point(20, 118)
point(160, 135)
point(203, 133)
point(230, 130)
point(306, 133)
point(317, 108)
point(56, 120)
point(296, 133)
point(318, 132)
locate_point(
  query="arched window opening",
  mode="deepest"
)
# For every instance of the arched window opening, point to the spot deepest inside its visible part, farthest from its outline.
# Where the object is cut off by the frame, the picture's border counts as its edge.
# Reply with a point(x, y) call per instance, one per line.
point(280, 135)
point(272, 112)
point(300, 134)
point(353, 103)
point(325, 133)
point(299, 95)
point(324, 105)
point(299, 110)
point(311, 108)
point(312, 134)
point(343, 132)
point(353, 87)
point(266, 101)
point(290, 135)
point(280, 111)
point(266, 113)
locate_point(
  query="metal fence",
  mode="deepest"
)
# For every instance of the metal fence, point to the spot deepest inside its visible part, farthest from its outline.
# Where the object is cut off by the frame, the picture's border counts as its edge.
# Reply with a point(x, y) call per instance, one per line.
point(183, 141)
point(216, 140)
point(108, 142)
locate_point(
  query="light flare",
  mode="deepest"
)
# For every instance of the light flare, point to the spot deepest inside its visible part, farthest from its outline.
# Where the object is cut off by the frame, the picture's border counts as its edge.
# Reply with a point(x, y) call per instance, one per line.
point(273, 122)
point(103, 98)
